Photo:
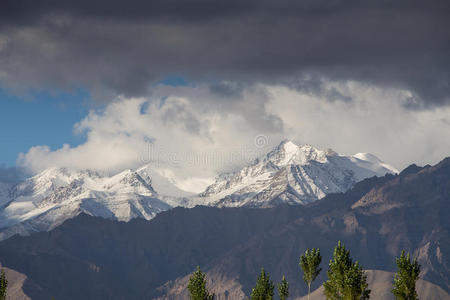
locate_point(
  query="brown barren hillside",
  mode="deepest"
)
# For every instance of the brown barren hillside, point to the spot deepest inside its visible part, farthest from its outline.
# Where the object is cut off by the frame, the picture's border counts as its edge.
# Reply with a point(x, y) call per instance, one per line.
point(149, 259)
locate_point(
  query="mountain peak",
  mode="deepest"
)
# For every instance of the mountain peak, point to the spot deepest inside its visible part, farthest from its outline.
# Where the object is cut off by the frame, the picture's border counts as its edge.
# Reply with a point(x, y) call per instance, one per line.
point(287, 144)
point(287, 149)
point(288, 152)
point(293, 174)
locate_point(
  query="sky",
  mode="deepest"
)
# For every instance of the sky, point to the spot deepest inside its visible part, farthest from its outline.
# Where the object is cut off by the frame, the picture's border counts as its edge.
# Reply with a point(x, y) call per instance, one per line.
point(201, 87)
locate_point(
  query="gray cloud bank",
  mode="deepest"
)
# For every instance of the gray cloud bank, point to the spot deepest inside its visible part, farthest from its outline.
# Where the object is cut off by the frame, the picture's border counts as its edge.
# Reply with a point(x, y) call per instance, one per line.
point(117, 47)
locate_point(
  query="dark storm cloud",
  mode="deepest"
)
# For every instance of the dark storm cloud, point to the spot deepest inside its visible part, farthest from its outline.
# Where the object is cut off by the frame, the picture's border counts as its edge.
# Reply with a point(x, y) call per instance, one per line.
point(124, 47)
point(227, 89)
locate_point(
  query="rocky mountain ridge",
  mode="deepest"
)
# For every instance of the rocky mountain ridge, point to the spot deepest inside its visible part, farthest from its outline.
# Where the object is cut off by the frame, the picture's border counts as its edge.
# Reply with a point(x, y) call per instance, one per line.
point(375, 219)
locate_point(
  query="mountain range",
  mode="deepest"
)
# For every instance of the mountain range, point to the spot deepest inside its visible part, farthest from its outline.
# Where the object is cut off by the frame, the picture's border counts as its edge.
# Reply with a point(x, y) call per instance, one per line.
point(289, 174)
point(96, 258)
point(293, 174)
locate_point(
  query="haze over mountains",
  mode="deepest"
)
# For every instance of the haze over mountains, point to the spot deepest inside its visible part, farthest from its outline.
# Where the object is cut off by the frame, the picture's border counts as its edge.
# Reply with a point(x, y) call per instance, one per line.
point(288, 174)
point(140, 259)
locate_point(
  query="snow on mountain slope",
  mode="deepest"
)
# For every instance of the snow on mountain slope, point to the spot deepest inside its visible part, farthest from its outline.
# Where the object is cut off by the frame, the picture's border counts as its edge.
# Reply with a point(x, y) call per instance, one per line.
point(4, 193)
point(288, 174)
point(293, 174)
point(49, 198)
point(162, 182)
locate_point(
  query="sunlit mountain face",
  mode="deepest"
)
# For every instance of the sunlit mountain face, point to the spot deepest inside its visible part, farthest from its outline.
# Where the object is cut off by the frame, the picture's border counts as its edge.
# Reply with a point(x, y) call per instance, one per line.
point(289, 174)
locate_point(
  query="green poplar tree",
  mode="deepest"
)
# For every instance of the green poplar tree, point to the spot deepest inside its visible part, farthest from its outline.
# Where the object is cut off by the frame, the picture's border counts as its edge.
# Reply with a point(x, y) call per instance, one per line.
point(406, 277)
point(346, 279)
point(3, 285)
point(197, 286)
point(263, 289)
point(283, 289)
point(309, 262)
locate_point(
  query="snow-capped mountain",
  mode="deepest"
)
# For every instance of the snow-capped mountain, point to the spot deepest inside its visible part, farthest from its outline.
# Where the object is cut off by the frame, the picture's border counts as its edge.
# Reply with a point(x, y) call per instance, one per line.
point(293, 174)
point(46, 200)
point(288, 174)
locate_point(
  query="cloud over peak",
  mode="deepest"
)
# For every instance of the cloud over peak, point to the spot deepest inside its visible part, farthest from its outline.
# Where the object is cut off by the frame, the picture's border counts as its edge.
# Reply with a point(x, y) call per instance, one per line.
point(191, 133)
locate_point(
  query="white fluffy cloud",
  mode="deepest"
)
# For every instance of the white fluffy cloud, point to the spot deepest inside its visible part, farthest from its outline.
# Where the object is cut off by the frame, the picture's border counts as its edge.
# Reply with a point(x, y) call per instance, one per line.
point(375, 121)
point(184, 132)
point(192, 133)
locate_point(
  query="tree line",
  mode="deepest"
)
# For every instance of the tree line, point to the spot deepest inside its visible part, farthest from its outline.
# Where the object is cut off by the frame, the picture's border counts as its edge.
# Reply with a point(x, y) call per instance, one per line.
point(3, 285)
point(346, 278)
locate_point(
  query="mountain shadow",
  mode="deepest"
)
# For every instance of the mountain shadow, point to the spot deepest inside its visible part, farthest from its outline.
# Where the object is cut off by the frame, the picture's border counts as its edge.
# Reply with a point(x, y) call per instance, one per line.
point(94, 258)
